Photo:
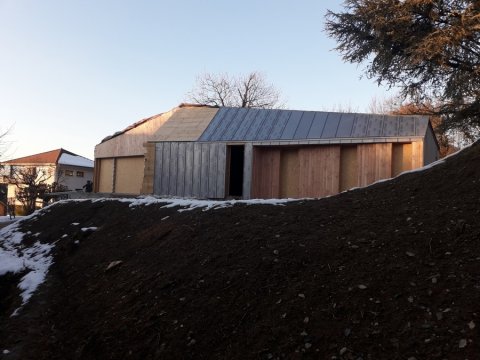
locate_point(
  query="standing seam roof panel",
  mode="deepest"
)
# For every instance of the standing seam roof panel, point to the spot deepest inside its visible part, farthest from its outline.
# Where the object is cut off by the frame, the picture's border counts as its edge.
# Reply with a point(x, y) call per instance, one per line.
point(279, 125)
point(331, 125)
point(230, 124)
point(292, 125)
point(256, 125)
point(242, 124)
point(318, 123)
point(210, 131)
point(345, 126)
point(267, 125)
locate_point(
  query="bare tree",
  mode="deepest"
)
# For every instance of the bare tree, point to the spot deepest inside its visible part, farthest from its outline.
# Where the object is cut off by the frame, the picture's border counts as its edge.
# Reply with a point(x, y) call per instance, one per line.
point(4, 144)
point(31, 183)
point(251, 91)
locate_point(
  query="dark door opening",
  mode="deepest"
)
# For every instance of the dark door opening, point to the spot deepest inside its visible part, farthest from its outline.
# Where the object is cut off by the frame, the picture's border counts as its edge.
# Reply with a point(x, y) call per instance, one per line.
point(235, 182)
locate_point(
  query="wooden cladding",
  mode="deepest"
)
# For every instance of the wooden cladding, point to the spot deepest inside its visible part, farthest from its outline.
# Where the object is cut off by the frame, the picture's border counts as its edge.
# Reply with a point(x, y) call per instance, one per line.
point(374, 162)
point(311, 171)
point(322, 170)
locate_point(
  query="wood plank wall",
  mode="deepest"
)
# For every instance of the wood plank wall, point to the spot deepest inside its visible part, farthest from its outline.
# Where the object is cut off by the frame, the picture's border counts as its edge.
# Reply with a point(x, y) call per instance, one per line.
point(106, 175)
point(374, 162)
point(319, 171)
point(190, 169)
point(289, 168)
point(310, 171)
point(348, 167)
point(266, 172)
point(401, 158)
point(129, 175)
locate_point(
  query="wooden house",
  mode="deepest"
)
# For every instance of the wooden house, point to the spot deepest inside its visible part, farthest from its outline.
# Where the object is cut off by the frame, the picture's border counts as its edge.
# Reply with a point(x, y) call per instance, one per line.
point(245, 153)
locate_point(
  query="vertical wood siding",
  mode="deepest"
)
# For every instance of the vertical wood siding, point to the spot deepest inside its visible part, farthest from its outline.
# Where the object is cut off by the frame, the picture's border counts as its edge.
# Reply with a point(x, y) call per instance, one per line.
point(289, 173)
point(266, 172)
point(129, 173)
point(348, 167)
point(374, 162)
point(417, 154)
point(401, 158)
point(189, 169)
point(106, 176)
point(319, 171)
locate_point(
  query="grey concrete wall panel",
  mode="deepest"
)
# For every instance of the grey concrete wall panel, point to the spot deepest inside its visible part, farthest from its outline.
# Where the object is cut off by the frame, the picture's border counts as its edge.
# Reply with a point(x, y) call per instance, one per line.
point(256, 125)
point(360, 126)
point(166, 169)
point(375, 126)
point(304, 125)
point(331, 125)
point(205, 169)
point(406, 126)
point(420, 126)
point(430, 147)
point(172, 185)
point(345, 126)
point(197, 169)
point(189, 169)
point(221, 168)
point(279, 125)
point(318, 124)
point(181, 170)
point(268, 124)
point(292, 125)
point(247, 170)
point(213, 170)
point(390, 127)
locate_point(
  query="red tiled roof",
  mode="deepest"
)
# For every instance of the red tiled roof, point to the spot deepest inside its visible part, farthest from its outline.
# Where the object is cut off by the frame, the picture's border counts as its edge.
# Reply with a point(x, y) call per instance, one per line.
point(49, 157)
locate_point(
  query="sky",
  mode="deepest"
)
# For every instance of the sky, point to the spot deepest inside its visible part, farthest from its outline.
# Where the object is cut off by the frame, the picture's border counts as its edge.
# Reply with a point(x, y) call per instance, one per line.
point(73, 72)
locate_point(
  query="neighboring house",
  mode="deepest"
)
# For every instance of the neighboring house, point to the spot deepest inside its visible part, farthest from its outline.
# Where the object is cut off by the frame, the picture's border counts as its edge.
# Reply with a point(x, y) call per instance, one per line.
point(260, 153)
point(61, 166)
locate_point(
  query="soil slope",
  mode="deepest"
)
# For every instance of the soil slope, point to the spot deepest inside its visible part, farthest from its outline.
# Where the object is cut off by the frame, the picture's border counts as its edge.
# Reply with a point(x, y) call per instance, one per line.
point(391, 271)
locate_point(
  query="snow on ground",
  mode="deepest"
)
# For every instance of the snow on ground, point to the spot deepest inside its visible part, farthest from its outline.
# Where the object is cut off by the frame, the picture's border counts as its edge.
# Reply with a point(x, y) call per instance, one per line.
point(16, 258)
point(190, 204)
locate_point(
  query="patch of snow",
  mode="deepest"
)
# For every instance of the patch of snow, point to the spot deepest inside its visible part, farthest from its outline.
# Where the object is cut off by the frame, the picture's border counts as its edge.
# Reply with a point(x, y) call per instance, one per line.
point(92, 228)
point(75, 160)
point(75, 224)
point(190, 204)
point(15, 258)
point(64, 236)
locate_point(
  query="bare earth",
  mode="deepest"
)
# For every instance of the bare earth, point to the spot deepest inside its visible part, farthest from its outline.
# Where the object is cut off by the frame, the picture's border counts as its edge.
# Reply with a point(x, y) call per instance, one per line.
point(387, 272)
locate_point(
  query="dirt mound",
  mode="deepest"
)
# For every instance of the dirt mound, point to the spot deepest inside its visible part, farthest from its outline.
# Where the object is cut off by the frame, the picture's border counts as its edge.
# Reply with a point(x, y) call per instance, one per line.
point(386, 272)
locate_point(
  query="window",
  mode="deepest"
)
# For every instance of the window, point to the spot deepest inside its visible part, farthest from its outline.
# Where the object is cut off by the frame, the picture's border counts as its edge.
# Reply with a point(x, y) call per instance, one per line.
point(80, 173)
point(68, 173)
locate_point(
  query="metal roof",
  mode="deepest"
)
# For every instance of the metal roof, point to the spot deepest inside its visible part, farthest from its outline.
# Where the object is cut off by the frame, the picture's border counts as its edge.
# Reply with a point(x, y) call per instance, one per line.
point(244, 124)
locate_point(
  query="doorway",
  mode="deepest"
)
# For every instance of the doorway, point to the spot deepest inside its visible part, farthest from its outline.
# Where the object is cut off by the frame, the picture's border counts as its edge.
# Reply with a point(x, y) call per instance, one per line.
point(235, 178)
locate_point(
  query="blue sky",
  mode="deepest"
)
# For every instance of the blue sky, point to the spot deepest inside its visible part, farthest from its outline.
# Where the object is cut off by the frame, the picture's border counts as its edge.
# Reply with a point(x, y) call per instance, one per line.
point(73, 72)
